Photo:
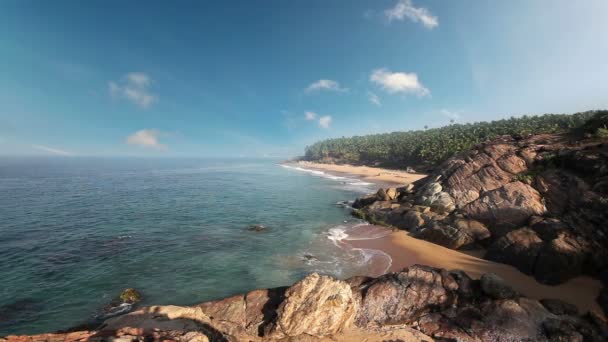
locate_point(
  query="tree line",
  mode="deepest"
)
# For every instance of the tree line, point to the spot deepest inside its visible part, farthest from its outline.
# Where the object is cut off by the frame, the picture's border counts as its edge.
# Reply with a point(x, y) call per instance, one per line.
point(431, 146)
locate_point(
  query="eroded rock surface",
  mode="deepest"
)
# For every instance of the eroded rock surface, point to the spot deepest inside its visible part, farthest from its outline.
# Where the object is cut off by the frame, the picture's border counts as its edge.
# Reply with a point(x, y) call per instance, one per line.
point(420, 303)
point(538, 203)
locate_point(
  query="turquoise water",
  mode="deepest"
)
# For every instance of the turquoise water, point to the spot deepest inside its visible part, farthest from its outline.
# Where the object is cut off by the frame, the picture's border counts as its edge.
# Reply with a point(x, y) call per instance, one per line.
point(74, 232)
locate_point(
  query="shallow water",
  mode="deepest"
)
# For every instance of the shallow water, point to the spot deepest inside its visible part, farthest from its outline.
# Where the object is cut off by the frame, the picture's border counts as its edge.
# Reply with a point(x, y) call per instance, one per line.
point(74, 232)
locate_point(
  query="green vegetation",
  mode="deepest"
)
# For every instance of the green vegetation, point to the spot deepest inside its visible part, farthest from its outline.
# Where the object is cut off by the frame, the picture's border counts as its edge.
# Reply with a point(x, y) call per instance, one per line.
point(432, 146)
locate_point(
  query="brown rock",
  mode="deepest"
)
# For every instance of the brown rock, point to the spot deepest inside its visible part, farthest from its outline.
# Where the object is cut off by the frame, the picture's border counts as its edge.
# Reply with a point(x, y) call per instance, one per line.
point(445, 235)
point(506, 208)
point(382, 195)
point(477, 230)
point(559, 307)
point(316, 305)
point(495, 287)
point(412, 221)
point(391, 193)
point(402, 297)
point(559, 260)
point(228, 309)
point(512, 164)
point(519, 248)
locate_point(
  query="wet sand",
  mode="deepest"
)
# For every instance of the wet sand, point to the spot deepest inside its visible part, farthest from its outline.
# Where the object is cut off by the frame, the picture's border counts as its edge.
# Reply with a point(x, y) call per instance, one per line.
point(372, 174)
point(406, 251)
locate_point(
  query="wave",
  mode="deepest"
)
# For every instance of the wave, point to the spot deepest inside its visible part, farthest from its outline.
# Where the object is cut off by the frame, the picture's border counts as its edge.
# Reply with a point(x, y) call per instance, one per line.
point(345, 180)
point(331, 252)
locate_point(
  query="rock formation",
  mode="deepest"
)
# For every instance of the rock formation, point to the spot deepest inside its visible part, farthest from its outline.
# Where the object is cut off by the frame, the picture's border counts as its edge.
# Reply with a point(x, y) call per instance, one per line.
point(419, 303)
point(539, 204)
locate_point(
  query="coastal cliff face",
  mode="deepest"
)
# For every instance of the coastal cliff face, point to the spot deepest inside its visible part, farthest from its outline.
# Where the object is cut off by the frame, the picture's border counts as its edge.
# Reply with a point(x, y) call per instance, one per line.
point(539, 204)
point(419, 303)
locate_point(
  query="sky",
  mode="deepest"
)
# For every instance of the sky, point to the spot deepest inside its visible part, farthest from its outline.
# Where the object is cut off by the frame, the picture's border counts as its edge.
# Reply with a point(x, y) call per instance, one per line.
point(267, 78)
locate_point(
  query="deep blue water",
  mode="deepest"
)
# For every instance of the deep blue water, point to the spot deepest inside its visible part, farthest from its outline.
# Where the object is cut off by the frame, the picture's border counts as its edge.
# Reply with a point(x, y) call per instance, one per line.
point(74, 232)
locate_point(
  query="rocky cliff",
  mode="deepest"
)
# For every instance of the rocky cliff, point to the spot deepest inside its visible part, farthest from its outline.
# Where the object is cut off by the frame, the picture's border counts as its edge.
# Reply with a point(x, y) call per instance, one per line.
point(539, 204)
point(419, 303)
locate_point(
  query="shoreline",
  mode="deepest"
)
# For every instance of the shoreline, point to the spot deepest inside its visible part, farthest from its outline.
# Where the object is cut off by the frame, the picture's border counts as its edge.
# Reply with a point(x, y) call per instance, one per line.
point(366, 173)
point(406, 251)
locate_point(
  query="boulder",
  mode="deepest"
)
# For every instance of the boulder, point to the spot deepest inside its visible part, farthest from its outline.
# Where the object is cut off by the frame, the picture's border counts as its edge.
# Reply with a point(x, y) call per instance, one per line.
point(130, 296)
point(391, 193)
point(316, 305)
point(506, 208)
point(445, 235)
point(548, 228)
point(402, 297)
point(495, 287)
point(412, 221)
point(561, 259)
point(382, 195)
point(475, 229)
point(364, 201)
point(519, 248)
point(559, 307)
point(257, 228)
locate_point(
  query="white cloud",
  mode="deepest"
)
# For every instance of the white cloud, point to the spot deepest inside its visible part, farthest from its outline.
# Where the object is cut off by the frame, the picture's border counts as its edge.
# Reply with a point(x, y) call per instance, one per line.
point(52, 150)
point(134, 87)
point(405, 8)
point(325, 121)
point(398, 82)
point(148, 138)
point(330, 85)
point(373, 98)
point(310, 116)
point(450, 114)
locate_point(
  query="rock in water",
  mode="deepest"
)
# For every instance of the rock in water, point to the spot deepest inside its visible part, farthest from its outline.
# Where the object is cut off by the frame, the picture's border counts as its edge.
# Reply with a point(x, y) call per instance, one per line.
point(257, 228)
point(130, 296)
point(316, 305)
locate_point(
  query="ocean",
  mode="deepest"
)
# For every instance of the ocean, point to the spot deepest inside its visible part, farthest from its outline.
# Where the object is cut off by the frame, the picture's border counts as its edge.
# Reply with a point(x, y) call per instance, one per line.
point(75, 232)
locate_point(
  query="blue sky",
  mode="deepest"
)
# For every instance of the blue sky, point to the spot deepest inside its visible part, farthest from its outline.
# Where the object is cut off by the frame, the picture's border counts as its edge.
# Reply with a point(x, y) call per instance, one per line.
point(267, 78)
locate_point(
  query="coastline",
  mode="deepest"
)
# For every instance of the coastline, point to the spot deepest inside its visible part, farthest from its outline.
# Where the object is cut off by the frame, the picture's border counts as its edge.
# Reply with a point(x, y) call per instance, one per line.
point(406, 251)
point(371, 174)
point(403, 250)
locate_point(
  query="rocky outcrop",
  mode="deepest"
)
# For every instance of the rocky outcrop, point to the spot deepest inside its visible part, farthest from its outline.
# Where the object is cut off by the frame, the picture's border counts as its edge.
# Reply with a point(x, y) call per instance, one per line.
point(539, 204)
point(419, 303)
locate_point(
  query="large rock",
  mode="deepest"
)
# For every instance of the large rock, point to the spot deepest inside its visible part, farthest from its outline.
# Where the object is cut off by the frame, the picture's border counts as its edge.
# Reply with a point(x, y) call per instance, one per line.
point(561, 259)
point(316, 305)
point(402, 297)
point(519, 248)
point(506, 208)
point(495, 287)
point(445, 235)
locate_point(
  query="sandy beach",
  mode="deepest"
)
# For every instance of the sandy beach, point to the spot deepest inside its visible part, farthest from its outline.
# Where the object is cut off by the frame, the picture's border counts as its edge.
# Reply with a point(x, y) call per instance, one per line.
point(406, 251)
point(373, 174)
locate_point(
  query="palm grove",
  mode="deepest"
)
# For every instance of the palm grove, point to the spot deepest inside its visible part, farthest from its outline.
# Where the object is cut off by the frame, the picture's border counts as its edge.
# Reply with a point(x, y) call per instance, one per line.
point(431, 146)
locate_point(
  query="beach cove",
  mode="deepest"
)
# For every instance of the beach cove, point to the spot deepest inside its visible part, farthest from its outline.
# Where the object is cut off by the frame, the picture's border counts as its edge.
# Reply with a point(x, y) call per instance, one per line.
point(402, 250)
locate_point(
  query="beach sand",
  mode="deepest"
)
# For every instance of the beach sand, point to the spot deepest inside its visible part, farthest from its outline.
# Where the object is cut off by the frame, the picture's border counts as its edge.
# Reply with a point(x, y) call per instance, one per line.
point(407, 251)
point(373, 174)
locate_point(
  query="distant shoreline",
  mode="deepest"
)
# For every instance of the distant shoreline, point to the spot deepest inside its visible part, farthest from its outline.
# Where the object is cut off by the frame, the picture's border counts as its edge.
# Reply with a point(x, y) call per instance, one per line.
point(373, 174)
